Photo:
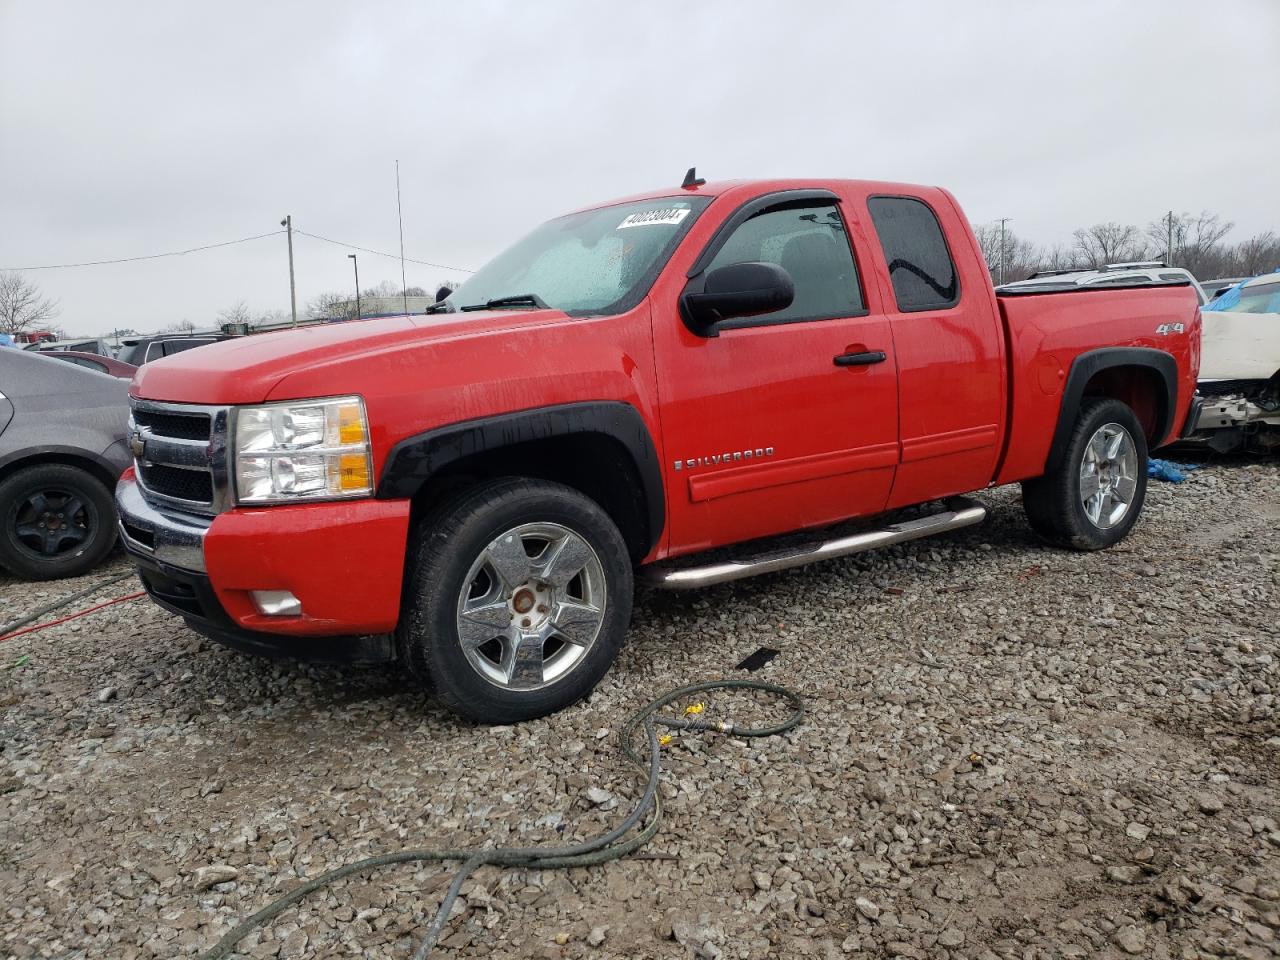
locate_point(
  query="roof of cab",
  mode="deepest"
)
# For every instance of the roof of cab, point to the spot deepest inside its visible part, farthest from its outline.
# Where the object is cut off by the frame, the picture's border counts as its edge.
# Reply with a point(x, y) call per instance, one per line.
point(749, 187)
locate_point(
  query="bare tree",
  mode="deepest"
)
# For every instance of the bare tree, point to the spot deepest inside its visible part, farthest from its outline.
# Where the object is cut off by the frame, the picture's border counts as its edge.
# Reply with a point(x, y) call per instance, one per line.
point(1059, 257)
point(1259, 254)
point(182, 326)
point(332, 306)
point(21, 305)
point(1105, 243)
point(1190, 241)
point(238, 312)
point(1021, 258)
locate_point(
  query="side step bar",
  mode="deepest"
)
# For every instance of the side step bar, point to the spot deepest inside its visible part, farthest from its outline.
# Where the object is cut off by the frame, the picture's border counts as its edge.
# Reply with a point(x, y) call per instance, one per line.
point(960, 512)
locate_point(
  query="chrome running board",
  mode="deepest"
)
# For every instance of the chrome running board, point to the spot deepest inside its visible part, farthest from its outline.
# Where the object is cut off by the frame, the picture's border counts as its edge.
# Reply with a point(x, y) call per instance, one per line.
point(960, 512)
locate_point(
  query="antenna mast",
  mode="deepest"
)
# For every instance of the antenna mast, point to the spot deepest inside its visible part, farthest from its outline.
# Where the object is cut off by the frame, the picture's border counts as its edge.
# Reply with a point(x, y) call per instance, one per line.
point(404, 293)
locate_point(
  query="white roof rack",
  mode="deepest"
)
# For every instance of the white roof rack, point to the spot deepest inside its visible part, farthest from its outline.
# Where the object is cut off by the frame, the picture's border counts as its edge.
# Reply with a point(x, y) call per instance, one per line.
point(1136, 265)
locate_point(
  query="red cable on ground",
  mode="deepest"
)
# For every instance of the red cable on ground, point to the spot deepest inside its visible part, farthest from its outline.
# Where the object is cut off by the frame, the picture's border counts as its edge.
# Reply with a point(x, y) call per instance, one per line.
point(72, 616)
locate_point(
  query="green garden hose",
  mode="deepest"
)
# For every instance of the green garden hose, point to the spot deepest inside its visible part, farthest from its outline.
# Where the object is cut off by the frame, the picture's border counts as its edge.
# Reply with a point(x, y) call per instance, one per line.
point(601, 849)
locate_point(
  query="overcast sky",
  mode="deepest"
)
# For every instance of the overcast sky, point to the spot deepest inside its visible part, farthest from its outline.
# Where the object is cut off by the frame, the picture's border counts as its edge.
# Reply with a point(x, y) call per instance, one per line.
point(132, 129)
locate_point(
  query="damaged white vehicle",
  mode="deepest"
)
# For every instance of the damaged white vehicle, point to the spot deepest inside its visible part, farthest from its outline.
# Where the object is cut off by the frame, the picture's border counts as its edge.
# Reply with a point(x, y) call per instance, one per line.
point(1240, 369)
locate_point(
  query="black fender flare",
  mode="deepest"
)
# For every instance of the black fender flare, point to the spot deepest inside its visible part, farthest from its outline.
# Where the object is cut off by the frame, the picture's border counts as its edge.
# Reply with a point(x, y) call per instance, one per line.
point(1091, 362)
point(415, 459)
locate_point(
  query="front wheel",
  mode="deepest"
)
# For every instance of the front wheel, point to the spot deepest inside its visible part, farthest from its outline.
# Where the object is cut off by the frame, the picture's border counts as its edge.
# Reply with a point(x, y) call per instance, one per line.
point(517, 600)
point(1094, 497)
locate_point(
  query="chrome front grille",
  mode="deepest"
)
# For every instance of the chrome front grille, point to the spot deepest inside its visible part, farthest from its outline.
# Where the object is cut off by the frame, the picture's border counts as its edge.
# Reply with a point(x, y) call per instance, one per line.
point(180, 454)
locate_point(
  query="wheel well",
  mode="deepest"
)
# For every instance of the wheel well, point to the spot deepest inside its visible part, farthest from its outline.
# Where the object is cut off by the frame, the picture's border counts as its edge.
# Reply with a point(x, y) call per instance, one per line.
point(1139, 388)
point(95, 470)
point(595, 464)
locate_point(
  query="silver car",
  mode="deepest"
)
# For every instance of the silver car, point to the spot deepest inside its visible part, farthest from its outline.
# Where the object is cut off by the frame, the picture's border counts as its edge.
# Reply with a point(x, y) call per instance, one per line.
point(62, 448)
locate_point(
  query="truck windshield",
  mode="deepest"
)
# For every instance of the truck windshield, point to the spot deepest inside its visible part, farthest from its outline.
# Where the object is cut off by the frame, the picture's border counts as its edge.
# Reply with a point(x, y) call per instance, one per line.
point(598, 261)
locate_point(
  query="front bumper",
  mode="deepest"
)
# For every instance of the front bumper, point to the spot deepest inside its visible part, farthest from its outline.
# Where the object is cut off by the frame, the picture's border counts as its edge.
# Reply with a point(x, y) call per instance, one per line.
point(343, 560)
point(192, 597)
point(167, 538)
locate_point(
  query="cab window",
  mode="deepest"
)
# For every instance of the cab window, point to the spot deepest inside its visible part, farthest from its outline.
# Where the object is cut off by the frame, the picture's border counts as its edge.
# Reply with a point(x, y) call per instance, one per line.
point(811, 244)
point(920, 265)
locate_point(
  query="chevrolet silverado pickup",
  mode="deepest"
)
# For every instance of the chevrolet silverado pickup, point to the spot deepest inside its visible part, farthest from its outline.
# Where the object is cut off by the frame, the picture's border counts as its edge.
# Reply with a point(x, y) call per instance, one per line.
point(650, 388)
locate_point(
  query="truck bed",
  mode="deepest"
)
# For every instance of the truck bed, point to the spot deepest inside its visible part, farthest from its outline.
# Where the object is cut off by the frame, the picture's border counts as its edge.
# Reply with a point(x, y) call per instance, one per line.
point(1048, 329)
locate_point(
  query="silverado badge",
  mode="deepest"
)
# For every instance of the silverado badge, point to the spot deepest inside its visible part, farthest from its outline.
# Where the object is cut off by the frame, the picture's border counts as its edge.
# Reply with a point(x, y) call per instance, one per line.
point(716, 459)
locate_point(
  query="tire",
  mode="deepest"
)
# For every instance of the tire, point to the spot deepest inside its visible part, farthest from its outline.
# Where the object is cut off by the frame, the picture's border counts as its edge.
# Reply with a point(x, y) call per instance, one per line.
point(1106, 442)
point(510, 629)
point(55, 521)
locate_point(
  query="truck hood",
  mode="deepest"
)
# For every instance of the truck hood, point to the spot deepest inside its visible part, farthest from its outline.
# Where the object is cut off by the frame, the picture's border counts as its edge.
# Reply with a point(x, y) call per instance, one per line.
point(246, 369)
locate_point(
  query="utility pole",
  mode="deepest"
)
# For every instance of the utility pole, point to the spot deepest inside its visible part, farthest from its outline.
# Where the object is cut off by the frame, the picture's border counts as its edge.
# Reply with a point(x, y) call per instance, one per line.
point(355, 264)
point(287, 223)
point(1003, 221)
point(1168, 245)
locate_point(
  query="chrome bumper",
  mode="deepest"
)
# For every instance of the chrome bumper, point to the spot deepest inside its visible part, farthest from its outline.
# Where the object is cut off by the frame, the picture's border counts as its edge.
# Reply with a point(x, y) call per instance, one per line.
point(162, 536)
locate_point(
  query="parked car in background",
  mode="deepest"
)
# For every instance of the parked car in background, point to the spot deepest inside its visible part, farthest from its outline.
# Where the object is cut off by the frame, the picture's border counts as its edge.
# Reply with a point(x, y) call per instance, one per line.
point(62, 448)
point(140, 350)
point(96, 346)
point(1240, 368)
point(92, 361)
point(1133, 274)
point(1215, 288)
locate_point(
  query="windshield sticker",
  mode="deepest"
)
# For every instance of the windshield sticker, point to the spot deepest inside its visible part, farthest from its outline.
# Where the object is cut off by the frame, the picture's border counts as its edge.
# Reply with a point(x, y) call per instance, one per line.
point(668, 217)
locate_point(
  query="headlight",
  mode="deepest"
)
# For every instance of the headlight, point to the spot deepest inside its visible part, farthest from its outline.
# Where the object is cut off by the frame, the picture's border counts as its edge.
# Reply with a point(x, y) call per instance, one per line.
point(303, 450)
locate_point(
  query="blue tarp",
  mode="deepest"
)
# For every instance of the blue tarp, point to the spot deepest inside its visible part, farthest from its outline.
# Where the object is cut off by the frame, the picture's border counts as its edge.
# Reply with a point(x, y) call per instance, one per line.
point(1168, 470)
point(1231, 296)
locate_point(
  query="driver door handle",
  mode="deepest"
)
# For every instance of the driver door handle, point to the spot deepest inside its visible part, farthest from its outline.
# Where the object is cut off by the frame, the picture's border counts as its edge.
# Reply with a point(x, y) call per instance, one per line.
point(859, 359)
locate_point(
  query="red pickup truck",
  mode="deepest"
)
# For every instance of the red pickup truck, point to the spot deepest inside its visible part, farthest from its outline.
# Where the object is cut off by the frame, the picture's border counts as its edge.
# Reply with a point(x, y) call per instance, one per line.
point(472, 491)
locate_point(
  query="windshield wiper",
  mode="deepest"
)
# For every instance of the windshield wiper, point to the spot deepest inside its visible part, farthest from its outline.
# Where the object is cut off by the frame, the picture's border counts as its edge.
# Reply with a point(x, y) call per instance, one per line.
point(440, 306)
point(515, 300)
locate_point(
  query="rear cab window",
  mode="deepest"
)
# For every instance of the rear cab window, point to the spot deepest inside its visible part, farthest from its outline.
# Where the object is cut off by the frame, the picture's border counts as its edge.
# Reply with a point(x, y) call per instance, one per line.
point(921, 268)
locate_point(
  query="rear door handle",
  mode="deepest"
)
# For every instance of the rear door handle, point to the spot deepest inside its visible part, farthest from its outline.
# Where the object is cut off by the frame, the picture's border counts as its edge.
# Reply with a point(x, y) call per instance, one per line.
point(859, 359)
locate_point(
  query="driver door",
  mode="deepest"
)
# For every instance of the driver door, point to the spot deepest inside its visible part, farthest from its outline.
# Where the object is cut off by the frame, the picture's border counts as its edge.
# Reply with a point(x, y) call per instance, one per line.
point(786, 420)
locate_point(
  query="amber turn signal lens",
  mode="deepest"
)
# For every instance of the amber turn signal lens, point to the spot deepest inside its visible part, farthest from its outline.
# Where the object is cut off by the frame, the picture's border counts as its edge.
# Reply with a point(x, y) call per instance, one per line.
point(350, 425)
point(353, 471)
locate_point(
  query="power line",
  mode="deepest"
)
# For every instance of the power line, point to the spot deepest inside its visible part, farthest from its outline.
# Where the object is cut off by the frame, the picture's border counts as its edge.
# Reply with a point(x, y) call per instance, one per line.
point(229, 243)
point(379, 253)
point(150, 256)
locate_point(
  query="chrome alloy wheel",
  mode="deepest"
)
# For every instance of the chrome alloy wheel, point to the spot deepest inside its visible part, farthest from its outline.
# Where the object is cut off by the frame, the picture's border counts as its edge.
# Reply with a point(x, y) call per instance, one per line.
point(1108, 475)
point(531, 606)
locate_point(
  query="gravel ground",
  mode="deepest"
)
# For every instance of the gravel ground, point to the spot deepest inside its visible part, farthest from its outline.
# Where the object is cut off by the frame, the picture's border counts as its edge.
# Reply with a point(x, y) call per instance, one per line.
point(1011, 751)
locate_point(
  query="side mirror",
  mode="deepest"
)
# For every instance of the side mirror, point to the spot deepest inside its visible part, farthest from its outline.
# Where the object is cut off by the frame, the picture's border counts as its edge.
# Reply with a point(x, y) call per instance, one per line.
point(443, 293)
point(736, 290)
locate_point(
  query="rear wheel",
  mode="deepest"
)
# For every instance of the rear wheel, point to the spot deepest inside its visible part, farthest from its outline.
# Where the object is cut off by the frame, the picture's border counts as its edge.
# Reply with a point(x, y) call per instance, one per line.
point(517, 600)
point(1095, 496)
point(55, 521)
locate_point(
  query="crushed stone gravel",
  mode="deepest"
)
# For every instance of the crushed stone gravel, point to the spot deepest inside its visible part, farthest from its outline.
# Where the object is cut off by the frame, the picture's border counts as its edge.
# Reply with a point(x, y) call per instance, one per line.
point(1010, 751)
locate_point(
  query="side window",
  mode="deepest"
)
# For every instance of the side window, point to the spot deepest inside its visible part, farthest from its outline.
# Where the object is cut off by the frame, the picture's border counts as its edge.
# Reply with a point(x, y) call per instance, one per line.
point(810, 244)
point(178, 346)
point(920, 265)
